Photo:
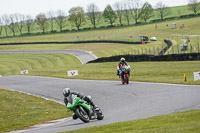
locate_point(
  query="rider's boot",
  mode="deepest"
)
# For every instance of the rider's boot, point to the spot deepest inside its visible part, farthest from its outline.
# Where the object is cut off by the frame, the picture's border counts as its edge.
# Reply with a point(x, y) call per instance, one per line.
point(74, 116)
point(96, 108)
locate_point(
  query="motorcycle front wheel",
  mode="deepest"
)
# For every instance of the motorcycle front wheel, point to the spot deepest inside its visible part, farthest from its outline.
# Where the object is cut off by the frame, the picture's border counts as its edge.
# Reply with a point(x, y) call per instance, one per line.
point(82, 114)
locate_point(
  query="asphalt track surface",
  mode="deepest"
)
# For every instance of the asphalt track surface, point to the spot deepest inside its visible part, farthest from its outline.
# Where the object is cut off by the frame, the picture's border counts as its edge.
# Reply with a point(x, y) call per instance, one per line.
point(118, 102)
point(83, 56)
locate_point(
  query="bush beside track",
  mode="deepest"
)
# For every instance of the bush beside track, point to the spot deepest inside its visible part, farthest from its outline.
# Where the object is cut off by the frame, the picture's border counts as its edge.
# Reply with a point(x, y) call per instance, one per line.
point(71, 42)
point(138, 58)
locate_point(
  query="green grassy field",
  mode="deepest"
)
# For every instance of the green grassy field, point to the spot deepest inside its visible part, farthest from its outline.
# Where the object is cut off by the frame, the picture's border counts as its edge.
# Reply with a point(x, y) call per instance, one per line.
point(19, 110)
point(56, 65)
point(12, 64)
point(184, 122)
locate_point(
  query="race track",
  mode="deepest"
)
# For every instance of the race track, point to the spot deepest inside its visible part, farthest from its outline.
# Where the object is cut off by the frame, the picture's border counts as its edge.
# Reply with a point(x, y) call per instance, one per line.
point(118, 102)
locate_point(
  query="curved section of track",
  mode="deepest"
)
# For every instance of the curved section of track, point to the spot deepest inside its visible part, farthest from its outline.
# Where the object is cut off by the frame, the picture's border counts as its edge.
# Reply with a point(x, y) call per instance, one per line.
point(118, 102)
point(83, 56)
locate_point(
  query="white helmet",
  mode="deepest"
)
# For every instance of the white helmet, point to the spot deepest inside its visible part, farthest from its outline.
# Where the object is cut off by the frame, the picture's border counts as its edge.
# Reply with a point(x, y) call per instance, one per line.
point(66, 92)
point(122, 59)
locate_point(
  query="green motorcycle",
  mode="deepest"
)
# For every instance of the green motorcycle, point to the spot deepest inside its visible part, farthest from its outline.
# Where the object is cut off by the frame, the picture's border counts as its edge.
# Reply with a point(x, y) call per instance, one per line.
point(83, 110)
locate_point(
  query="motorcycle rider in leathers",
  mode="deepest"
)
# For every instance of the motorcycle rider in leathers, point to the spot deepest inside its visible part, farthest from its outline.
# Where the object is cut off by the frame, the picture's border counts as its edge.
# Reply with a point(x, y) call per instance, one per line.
point(121, 63)
point(67, 92)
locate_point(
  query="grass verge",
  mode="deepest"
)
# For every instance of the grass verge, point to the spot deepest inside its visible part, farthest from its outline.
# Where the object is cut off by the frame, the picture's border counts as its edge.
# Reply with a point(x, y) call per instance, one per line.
point(12, 64)
point(19, 110)
point(160, 72)
point(183, 122)
point(56, 65)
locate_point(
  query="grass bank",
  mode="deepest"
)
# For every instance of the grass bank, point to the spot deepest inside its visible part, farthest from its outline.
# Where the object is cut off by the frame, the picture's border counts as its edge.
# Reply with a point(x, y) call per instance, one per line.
point(160, 72)
point(19, 110)
point(56, 65)
point(12, 64)
point(184, 122)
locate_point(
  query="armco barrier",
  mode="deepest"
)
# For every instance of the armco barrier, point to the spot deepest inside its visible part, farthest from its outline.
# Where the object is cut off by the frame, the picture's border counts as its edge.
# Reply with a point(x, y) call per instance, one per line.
point(138, 58)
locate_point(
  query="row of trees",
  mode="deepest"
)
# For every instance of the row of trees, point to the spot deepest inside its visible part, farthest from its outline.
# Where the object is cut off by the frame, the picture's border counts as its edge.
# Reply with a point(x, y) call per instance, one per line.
point(120, 10)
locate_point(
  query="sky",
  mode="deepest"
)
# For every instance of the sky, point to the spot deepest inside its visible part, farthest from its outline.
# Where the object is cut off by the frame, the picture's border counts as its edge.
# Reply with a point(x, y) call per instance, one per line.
point(34, 7)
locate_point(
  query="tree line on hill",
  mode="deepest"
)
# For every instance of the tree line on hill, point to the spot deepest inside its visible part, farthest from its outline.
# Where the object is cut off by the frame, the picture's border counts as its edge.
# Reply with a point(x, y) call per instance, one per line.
point(127, 10)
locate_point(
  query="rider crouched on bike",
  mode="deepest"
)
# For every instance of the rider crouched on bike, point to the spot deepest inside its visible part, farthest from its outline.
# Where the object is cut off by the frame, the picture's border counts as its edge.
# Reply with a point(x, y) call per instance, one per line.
point(67, 93)
point(121, 64)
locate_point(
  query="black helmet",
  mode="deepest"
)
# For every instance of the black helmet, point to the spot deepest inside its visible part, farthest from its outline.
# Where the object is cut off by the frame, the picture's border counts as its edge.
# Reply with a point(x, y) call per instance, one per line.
point(66, 92)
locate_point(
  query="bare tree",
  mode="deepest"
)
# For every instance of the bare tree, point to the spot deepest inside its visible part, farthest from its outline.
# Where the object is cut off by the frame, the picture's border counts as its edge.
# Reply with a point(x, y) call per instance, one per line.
point(162, 9)
point(147, 11)
point(77, 16)
point(6, 22)
point(93, 14)
point(51, 17)
point(20, 20)
point(60, 19)
point(126, 11)
point(29, 22)
point(1, 26)
point(134, 6)
point(119, 9)
point(194, 5)
point(12, 25)
point(41, 21)
point(109, 14)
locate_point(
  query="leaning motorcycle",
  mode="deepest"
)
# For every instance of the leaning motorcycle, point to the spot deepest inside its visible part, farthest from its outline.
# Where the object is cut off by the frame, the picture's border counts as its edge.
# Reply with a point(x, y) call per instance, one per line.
point(83, 110)
point(124, 74)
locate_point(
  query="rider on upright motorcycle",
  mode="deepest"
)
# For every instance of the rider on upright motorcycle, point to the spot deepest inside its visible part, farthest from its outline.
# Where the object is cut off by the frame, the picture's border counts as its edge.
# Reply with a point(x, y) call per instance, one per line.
point(67, 93)
point(119, 66)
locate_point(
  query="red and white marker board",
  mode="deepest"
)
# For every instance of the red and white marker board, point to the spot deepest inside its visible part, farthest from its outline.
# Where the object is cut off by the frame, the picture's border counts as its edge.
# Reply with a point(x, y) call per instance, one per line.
point(24, 72)
point(196, 75)
point(72, 73)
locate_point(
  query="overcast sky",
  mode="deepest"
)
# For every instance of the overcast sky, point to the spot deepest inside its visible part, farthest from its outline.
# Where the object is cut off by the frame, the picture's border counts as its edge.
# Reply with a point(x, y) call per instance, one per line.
point(34, 7)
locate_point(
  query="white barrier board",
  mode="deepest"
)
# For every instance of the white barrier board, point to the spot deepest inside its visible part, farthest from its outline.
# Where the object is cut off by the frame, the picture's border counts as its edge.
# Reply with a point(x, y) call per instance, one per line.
point(196, 75)
point(1, 76)
point(72, 73)
point(24, 72)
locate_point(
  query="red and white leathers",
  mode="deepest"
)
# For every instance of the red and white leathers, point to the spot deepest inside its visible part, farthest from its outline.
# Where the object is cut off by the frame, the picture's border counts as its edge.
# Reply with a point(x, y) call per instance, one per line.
point(121, 64)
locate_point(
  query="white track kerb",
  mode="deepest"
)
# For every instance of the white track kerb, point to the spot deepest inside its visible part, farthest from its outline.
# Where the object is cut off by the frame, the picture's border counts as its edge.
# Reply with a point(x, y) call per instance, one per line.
point(42, 125)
